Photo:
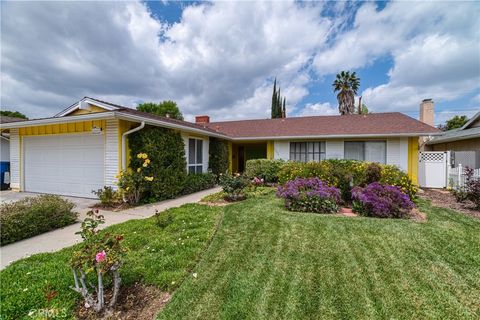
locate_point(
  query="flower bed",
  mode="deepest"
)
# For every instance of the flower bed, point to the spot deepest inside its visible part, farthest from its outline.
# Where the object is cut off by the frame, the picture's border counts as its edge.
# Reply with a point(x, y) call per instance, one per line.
point(310, 195)
point(382, 201)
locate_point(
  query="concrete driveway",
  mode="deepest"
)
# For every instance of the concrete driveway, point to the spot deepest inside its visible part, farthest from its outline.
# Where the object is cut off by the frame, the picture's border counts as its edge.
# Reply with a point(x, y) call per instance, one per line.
point(10, 196)
point(65, 237)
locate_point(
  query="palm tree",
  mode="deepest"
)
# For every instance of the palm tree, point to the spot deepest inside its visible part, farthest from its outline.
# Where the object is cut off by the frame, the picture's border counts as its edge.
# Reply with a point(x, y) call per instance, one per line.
point(347, 84)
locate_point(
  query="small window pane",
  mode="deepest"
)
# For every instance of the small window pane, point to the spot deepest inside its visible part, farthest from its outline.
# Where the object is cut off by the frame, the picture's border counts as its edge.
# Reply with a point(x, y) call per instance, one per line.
point(375, 151)
point(191, 169)
point(199, 151)
point(191, 151)
point(354, 150)
point(199, 169)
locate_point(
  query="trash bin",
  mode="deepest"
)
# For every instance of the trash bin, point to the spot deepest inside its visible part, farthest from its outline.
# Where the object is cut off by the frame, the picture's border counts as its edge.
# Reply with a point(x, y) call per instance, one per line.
point(4, 175)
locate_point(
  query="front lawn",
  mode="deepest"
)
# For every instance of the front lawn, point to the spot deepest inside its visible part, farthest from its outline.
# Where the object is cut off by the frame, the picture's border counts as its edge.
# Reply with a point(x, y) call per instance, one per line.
point(159, 257)
point(269, 263)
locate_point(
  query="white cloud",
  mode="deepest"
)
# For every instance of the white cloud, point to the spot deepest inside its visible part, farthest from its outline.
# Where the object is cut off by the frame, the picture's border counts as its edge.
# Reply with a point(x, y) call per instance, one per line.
point(220, 58)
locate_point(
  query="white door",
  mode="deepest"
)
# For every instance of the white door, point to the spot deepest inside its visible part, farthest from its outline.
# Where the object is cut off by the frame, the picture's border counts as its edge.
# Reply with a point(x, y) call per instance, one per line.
point(432, 169)
point(70, 165)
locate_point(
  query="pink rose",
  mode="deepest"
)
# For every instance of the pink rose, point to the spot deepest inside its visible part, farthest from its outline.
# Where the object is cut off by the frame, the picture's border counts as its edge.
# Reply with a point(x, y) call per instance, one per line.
point(100, 256)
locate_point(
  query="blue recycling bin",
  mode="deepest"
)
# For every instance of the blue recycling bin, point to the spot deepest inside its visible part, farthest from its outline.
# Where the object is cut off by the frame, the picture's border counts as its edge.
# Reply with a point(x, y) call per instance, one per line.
point(4, 167)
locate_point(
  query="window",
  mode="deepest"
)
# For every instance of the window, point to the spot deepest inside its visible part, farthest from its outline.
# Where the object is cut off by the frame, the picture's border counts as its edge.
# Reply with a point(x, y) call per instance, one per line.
point(195, 156)
point(372, 151)
point(307, 151)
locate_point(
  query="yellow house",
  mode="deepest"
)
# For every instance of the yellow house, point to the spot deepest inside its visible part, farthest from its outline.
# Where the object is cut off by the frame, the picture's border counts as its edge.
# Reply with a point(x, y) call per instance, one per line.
point(84, 147)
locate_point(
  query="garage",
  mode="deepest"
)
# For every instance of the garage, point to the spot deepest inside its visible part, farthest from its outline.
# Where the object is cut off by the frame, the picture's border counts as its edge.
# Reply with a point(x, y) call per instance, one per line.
point(68, 164)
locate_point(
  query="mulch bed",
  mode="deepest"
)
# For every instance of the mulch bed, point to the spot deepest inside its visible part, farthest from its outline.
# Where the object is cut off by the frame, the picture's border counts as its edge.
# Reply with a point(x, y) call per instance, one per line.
point(136, 302)
point(119, 207)
point(443, 198)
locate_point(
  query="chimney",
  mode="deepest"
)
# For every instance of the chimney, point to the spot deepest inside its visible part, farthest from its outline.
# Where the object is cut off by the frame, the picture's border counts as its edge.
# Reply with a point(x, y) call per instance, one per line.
point(427, 112)
point(202, 119)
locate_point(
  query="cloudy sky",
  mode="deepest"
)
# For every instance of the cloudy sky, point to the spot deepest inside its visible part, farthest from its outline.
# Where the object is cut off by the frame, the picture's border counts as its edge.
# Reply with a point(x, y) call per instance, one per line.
point(221, 58)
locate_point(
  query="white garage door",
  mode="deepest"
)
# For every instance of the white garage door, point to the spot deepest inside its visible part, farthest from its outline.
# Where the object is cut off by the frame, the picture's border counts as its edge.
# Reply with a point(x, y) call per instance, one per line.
point(64, 164)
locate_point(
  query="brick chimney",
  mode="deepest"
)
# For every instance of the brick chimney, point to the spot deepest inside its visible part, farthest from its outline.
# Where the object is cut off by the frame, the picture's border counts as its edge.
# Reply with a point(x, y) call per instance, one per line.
point(202, 119)
point(427, 112)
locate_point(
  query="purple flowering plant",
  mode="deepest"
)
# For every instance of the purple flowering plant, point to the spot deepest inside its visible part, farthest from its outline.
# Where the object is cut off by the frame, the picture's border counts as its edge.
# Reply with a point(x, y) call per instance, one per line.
point(382, 201)
point(309, 195)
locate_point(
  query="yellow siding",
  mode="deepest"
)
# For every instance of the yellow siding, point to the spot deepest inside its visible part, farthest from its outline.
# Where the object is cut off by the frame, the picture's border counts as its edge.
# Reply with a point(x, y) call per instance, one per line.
point(72, 127)
point(269, 149)
point(123, 127)
point(230, 157)
point(413, 159)
point(91, 109)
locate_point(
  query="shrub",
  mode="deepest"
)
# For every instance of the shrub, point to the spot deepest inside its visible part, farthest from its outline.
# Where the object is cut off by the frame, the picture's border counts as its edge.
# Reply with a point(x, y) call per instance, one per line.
point(472, 187)
point(100, 254)
point(108, 196)
point(382, 201)
point(198, 181)
point(345, 174)
point(166, 151)
point(164, 218)
point(309, 195)
point(34, 215)
point(265, 169)
point(233, 186)
point(218, 156)
point(134, 182)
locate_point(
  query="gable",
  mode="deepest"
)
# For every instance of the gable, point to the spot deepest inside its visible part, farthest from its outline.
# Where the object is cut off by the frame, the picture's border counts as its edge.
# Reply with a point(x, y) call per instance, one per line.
point(86, 106)
point(90, 108)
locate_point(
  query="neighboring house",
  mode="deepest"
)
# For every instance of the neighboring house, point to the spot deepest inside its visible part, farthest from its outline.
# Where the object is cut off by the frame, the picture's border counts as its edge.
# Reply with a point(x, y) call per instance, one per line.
point(5, 153)
point(85, 146)
point(463, 142)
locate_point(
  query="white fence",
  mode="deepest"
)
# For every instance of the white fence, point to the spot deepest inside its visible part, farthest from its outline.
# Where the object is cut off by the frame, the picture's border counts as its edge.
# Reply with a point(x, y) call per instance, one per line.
point(457, 177)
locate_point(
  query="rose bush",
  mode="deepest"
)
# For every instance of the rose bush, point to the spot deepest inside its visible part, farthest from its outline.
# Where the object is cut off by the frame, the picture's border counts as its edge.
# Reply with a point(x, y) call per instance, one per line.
point(233, 186)
point(309, 195)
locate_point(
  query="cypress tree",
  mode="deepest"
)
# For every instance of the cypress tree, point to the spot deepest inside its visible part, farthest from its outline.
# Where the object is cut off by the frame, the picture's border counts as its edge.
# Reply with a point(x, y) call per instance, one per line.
point(274, 100)
point(284, 113)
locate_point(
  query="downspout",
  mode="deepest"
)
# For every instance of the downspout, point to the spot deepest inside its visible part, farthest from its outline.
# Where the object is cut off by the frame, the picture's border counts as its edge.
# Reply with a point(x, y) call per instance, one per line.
point(124, 138)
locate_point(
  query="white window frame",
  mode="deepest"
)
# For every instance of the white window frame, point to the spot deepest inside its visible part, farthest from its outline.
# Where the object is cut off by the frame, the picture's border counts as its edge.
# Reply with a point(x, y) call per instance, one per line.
point(197, 166)
point(322, 155)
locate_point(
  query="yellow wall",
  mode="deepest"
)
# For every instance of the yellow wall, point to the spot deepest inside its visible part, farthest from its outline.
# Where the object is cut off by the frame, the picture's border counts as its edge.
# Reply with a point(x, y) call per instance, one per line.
point(91, 109)
point(72, 127)
point(123, 126)
point(413, 159)
point(270, 150)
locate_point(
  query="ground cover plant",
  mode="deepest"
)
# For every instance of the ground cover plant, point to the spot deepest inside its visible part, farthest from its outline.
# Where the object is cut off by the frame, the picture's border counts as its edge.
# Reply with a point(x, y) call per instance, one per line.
point(309, 195)
point(159, 257)
point(34, 215)
point(266, 262)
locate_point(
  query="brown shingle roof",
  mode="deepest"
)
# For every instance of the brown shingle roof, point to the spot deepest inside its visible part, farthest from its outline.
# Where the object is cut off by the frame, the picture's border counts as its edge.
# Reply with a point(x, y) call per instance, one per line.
point(7, 119)
point(347, 125)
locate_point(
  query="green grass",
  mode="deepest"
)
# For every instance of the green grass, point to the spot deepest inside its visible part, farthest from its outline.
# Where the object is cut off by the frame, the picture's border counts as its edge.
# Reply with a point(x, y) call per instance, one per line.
point(268, 263)
point(160, 257)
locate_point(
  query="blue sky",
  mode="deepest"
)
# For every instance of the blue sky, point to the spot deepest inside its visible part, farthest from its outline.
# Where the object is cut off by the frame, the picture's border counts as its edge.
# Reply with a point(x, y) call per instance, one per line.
point(220, 58)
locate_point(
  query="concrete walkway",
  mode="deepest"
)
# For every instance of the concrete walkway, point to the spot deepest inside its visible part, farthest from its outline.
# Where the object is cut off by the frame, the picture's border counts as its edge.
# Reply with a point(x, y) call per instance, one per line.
point(62, 238)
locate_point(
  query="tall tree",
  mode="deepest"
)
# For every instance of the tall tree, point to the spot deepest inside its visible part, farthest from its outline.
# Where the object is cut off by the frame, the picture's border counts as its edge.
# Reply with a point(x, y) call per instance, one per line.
point(277, 109)
point(346, 84)
point(13, 114)
point(166, 108)
point(284, 111)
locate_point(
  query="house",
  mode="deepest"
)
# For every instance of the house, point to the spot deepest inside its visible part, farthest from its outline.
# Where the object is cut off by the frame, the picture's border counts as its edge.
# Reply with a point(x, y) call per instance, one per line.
point(463, 143)
point(84, 147)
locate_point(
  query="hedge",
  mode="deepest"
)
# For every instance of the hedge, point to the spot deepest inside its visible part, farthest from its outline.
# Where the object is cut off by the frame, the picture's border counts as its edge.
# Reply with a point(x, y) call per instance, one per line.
point(34, 215)
point(199, 181)
point(166, 151)
point(263, 168)
point(218, 156)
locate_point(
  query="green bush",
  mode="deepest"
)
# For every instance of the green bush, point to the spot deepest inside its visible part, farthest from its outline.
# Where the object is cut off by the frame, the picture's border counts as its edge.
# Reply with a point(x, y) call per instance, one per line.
point(218, 156)
point(233, 186)
point(265, 169)
point(165, 149)
point(345, 174)
point(163, 218)
point(108, 196)
point(199, 181)
point(34, 215)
